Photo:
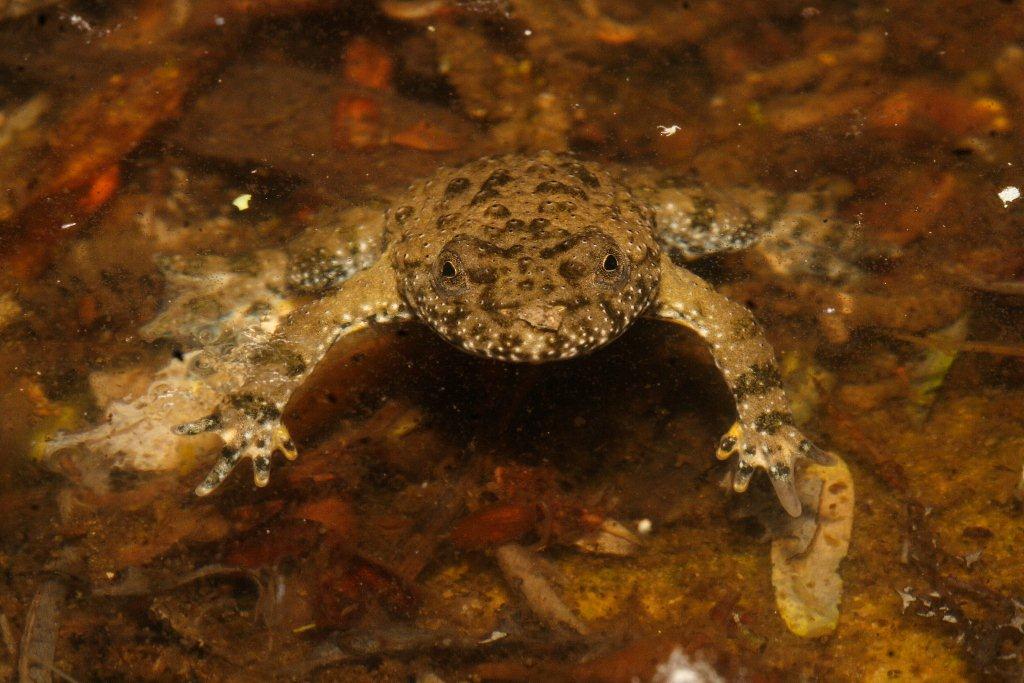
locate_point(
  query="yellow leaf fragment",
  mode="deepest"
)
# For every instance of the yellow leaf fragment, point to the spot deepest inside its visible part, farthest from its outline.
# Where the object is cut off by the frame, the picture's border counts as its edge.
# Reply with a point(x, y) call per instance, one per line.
point(805, 574)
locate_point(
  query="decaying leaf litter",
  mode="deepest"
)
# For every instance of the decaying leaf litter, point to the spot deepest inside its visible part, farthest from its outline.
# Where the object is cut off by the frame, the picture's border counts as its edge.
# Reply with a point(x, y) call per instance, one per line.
point(440, 520)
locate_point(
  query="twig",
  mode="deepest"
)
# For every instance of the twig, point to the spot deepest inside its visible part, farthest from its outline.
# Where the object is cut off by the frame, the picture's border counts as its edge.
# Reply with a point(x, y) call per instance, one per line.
point(39, 640)
point(1007, 287)
point(404, 641)
point(5, 632)
point(143, 585)
point(968, 346)
point(60, 674)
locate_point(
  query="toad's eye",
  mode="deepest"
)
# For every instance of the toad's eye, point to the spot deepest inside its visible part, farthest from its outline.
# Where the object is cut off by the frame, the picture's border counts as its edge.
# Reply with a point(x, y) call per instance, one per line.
point(612, 266)
point(449, 274)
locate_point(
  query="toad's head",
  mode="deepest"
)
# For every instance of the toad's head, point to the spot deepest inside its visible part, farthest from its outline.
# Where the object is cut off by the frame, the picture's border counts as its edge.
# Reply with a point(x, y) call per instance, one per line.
point(525, 259)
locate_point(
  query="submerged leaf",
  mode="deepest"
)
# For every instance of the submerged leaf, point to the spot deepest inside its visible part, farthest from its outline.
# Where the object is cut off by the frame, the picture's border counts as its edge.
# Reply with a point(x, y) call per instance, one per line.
point(135, 432)
point(805, 565)
point(532, 577)
point(928, 376)
point(610, 538)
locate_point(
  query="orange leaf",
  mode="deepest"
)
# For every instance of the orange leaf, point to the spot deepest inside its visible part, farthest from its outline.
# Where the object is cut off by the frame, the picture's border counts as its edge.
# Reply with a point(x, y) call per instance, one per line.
point(101, 189)
point(335, 515)
point(425, 137)
point(357, 123)
point(367, 64)
point(494, 526)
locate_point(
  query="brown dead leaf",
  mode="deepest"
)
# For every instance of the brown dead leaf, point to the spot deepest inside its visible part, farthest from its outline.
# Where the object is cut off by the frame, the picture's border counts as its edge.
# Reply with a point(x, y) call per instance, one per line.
point(531, 575)
point(287, 540)
point(333, 514)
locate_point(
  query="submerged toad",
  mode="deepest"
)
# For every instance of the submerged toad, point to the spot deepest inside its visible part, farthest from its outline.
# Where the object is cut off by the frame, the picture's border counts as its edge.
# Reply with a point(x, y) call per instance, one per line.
point(528, 259)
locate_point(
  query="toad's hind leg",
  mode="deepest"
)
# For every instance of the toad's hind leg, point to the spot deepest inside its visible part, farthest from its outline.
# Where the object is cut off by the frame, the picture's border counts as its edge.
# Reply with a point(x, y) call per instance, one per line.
point(338, 244)
point(764, 436)
point(213, 297)
point(693, 220)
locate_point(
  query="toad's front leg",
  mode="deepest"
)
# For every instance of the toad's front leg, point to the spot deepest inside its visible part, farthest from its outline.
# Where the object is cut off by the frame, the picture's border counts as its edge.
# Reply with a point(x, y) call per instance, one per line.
point(249, 418)
point(764, 435)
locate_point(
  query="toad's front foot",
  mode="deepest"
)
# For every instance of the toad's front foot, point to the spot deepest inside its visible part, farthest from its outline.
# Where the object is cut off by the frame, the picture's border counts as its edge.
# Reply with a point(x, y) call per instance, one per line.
point(777, 453)
point(251, 427)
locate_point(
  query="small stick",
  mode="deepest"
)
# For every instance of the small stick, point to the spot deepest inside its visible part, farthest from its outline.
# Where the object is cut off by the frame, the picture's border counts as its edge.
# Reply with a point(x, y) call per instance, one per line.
point(5, 632)
point(39, 640)
point(969, 346)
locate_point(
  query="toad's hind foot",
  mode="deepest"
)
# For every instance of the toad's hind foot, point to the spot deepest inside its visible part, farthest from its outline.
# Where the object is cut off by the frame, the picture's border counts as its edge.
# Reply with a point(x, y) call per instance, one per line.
point(250, 428)
point(776, 453)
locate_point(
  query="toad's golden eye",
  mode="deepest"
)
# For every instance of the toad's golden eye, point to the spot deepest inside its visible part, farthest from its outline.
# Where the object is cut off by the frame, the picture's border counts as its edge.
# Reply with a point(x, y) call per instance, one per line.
point(612, 266)
point(449, 273)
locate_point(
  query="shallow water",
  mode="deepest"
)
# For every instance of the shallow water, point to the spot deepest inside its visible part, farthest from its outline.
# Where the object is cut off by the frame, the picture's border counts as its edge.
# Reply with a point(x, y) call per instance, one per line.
point(453, 518)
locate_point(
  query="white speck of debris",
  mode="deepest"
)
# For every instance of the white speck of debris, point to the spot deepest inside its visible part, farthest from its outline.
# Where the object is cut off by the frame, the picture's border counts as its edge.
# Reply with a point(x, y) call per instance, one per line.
point(431, 28)
point(907, 597)
point(668, 130)
point(241, 202)
point(1009, 194)
point(644, 526)
point(1018, 616)
point(219, 21)
point(495, 636)
point(79, 22)
point(527, 33)
point(679, 668)
point(65, 226)
point(109, 575)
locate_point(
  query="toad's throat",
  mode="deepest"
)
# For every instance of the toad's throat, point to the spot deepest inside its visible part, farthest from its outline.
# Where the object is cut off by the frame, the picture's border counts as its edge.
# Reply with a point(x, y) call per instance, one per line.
point(531, 342)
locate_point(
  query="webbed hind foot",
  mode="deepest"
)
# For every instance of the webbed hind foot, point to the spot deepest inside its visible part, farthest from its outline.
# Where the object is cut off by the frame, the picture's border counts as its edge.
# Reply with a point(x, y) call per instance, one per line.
point(777, 453)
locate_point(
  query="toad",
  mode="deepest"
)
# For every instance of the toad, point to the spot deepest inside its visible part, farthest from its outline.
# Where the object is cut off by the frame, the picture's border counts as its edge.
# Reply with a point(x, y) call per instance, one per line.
point(529, 259)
